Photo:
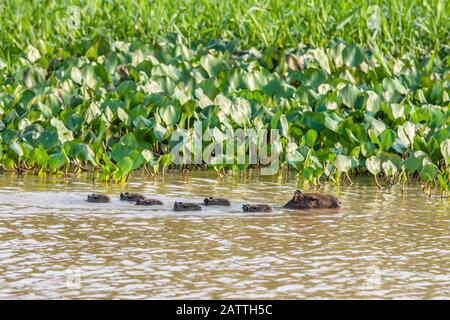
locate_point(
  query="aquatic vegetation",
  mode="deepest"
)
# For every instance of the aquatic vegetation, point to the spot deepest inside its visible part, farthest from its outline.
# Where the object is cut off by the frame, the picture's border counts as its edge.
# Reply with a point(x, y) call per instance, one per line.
point(112, 107)
point(390, 27)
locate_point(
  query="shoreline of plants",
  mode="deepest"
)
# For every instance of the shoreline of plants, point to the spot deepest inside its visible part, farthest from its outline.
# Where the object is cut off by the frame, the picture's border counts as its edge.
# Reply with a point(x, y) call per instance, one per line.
point(395, 28)
point(112, 107)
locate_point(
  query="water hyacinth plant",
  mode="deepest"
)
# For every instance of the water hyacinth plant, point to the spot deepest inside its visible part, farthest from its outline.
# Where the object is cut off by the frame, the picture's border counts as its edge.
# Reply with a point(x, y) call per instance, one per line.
point(113, 106)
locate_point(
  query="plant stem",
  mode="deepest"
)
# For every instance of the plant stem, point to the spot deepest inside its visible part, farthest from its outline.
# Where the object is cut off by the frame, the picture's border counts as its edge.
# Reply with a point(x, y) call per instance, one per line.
point(378, 184)
point(348, 177)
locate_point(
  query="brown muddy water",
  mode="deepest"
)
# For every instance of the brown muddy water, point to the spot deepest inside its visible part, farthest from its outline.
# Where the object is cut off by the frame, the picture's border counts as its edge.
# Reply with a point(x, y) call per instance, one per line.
point(55, 245)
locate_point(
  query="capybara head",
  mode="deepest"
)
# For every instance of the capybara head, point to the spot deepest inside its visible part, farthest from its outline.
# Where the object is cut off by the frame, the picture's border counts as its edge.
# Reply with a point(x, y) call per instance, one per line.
point(315, 200)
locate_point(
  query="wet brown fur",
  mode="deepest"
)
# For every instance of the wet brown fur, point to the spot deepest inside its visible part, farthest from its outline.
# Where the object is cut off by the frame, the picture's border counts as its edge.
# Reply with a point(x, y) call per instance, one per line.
point(148, 202)
point(216, 202)
point(125, 196)
point(256, 208)
point(185, 206)
point(98, 198)
point(312, 201)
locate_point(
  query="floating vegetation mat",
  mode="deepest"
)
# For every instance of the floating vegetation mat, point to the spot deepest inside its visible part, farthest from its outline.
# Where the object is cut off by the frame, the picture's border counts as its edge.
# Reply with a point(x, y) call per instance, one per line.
point(326, 113)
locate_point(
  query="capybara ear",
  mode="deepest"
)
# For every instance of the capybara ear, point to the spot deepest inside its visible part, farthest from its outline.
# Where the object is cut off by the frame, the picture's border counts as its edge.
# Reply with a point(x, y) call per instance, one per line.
point(297, 195)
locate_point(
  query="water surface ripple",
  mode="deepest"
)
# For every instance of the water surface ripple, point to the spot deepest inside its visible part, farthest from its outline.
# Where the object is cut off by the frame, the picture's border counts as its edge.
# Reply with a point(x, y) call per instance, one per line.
point(53, 244)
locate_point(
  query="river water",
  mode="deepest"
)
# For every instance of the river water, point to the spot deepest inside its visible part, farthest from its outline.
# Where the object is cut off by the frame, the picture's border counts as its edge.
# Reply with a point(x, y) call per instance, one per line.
point(382, 244)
